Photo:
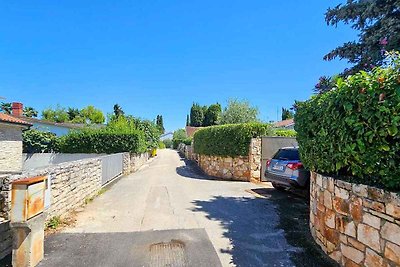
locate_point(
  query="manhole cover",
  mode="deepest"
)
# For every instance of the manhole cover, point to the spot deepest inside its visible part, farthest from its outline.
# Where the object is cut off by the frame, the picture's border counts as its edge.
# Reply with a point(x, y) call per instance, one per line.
point(169, 254)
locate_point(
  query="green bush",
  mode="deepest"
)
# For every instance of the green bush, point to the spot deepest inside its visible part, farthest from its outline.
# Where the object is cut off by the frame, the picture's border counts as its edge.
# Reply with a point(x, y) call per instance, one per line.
point(161, 145)
point(35, 141)
point(229, 139)
point(285, 133)
point(353, 130)
point(177, 141)
point(167, 143)
point(103, 141)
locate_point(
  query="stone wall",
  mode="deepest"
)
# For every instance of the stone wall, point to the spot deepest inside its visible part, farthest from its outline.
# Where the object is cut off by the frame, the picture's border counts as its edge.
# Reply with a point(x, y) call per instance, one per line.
point(10, 148)
point(237, 168)
point(71, 184)
point(356, 225)
point(243, 168)
point(138, 160)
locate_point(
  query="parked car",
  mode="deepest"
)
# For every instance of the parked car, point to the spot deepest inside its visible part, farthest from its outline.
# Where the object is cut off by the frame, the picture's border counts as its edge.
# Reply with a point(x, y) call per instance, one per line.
point(285, 170)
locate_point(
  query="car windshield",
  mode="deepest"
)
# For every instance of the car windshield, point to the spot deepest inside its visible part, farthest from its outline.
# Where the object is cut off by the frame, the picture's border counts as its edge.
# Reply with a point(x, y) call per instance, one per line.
point(287, 154)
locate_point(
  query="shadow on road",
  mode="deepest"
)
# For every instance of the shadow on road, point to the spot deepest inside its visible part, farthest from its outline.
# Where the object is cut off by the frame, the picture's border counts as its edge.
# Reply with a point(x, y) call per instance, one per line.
point(192, 170)
point(268, 231)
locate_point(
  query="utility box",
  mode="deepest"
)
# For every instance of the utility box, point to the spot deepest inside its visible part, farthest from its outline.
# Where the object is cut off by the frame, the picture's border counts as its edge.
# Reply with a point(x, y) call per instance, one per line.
point(28, 220)
point(27, 198)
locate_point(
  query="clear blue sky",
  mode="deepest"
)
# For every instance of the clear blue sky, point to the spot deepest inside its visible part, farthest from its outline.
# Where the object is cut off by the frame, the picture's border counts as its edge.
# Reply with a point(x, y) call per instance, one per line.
point(157, 57)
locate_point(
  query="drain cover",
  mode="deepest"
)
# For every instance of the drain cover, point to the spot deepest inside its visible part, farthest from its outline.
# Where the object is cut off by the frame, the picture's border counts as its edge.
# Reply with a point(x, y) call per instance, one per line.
point(169, 254)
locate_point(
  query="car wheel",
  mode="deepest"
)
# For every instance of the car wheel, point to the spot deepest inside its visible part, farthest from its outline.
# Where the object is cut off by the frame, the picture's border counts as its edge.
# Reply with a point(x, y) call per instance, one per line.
point(278, 187)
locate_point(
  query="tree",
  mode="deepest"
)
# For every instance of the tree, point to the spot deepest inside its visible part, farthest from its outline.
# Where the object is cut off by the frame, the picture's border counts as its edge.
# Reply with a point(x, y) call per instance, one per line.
point(179, 134)
point(73, 113)
point(212, 115)
point(287, 114)
point(59, 114)
point(187, 120)
point(196, 115)
point(239, 112)
point(92, 115)
point(118, 110)
point(30, 112)
point(160, 124)
point(6, 107)
point(378, 23)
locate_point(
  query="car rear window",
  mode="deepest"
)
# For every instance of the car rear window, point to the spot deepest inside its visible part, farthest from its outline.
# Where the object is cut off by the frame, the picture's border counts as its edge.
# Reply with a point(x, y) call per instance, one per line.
point(287, 154)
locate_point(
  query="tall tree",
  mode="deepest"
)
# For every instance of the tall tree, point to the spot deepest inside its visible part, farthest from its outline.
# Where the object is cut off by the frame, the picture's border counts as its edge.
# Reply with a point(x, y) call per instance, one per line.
point(378, 23)
point(160, 124)
point(239, 112)
point(118, 110)
point(6, 107)
point(212, 115)
point(187, 120)
point(196, 115)
point(59, 114)
point(287, 114)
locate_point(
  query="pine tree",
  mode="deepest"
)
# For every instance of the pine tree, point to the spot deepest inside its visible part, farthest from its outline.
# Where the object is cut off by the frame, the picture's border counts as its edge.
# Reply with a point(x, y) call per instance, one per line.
point(378, 23)
point(187, 120)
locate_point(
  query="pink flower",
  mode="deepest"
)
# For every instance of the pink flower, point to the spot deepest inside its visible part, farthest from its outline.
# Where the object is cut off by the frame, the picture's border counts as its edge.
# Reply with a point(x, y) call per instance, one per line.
point(383, 41)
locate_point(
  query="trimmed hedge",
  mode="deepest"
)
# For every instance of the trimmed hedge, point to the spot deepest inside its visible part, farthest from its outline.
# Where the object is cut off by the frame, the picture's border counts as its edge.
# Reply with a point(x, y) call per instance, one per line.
point(285, 133)
point(102, 141)
point(353, 131)
point(228, 140)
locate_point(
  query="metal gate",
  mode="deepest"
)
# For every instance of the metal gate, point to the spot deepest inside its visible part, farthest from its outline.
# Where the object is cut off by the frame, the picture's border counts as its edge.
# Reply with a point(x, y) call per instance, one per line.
point(111, 166)
point(270, 145)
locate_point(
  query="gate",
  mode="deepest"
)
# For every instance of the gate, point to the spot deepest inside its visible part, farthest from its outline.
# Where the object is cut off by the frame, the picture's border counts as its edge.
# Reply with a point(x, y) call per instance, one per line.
point(270, 145)
point(111, 167)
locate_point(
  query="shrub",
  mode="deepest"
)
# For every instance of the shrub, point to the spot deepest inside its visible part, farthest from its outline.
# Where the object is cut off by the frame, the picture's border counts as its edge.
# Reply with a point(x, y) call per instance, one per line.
point(353, 130)
point(35, 141)
point(161, 145)
point(228, 140)
point(103, 141)
point(177, 141)
point(285, 133)
point(167, 143)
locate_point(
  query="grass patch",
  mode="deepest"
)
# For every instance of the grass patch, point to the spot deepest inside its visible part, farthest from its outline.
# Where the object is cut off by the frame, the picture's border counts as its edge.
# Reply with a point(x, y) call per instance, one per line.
point(54, 223)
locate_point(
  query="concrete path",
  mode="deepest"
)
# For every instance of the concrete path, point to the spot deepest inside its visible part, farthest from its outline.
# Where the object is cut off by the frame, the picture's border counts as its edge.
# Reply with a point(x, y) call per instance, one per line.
point(218, 222)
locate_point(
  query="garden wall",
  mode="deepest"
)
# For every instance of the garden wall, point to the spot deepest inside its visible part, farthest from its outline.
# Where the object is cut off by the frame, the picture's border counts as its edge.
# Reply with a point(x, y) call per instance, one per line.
point(71, 184)
point(242, 168)
point(356, 225)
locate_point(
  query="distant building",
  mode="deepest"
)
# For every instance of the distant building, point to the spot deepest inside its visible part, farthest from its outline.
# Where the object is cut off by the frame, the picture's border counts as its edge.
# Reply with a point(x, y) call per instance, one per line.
point(11, 143)
point(58, 129)
point(190, 130)
point(285, 124)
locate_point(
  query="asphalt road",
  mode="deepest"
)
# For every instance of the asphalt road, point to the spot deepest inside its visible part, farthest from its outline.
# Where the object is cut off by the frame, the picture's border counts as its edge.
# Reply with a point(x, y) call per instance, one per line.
point(171, 213)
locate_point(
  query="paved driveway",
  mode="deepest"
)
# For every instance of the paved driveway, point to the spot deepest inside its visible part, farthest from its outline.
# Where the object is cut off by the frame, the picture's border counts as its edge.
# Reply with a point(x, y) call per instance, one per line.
point(170, 213)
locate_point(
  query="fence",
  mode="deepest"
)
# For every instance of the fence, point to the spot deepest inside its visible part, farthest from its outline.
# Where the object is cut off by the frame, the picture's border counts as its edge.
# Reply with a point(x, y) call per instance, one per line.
point(112, 166)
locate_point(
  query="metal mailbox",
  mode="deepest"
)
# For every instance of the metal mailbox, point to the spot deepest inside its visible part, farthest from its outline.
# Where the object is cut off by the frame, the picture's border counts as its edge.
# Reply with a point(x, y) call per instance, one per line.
point(27, 198)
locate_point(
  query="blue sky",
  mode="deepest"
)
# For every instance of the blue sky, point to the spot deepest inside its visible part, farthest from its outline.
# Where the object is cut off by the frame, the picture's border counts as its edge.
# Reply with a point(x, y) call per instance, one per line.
point(158, 57)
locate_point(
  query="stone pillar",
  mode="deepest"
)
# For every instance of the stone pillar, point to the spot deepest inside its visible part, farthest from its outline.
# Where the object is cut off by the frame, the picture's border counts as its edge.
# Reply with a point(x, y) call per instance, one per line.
point(255, 160)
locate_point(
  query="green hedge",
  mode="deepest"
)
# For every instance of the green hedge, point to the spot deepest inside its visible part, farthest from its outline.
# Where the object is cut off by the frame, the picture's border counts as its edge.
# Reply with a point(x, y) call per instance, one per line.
point(102, 141)
point(285, 133)
point(228, 140)
point(353, 130)
point(35, 141)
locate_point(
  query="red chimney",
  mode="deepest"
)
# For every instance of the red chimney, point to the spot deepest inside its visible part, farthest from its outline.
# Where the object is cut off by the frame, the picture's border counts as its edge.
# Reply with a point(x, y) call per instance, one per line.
point(17, 109)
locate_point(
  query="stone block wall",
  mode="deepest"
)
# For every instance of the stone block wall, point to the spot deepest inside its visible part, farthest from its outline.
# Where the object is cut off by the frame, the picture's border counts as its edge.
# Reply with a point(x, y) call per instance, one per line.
point(10, 148)
point(138, 160)
point(243, 168)
point(237, 168)
point(71, 183)
point(356, 225)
